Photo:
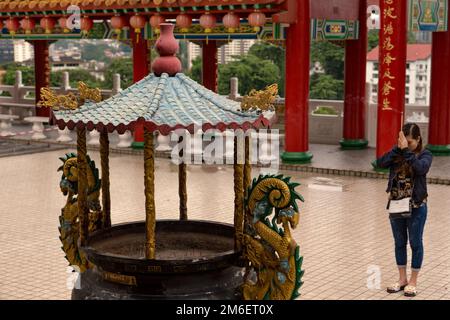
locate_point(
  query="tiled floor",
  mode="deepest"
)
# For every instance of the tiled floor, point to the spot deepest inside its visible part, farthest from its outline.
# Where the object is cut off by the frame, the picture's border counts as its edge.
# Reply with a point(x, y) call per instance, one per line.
point(343, 235)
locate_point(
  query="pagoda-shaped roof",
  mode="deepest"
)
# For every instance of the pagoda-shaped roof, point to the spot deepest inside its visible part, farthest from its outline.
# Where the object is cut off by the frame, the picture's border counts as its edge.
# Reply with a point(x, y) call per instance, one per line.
point(162, 103)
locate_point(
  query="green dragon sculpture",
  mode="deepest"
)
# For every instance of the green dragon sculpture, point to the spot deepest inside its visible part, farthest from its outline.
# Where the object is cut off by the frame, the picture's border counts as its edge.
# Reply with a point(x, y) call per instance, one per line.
point(272, 254)
point(69, 223)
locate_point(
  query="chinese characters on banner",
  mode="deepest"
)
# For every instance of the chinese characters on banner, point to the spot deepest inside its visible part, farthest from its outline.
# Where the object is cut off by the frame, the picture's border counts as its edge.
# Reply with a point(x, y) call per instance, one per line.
point(392, 72)
point(387, 81)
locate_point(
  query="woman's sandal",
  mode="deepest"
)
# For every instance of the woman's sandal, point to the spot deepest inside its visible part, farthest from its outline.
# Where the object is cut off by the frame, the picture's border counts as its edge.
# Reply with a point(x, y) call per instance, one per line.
point(410, 291)
point(396, 287)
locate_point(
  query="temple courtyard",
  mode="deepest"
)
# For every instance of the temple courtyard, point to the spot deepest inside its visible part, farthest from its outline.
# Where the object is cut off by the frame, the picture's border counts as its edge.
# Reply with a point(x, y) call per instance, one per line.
point(344, 232)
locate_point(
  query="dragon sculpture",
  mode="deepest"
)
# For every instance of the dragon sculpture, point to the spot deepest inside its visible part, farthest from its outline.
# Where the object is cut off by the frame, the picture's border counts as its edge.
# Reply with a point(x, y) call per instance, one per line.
point(69, 223)
point(262, 100)
point(49, 99)
point(272, 254)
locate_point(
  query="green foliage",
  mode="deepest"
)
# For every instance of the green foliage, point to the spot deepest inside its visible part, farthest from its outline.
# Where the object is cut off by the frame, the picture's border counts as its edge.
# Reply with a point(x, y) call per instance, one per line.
point(196, 70)
point(75, 75)
point(330, 56)
point(276, 55)
point(325, 110)
point(373, 38)
point(122, 66)
point(9, 77)
point(253, 73)
point(325, 87)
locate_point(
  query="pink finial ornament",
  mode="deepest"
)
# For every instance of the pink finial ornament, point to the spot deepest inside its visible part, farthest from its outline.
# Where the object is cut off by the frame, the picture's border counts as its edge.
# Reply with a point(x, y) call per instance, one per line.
point(167, 47)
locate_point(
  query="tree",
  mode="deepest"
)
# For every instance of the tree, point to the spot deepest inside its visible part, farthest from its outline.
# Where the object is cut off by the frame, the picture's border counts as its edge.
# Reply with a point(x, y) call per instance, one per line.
point(196, 70)
point(122, 66)
point(253, 73)
point(330, 56)
point(325, 87)
point(75, 75)
point(373, 39)
point(10, 76)
point(277, 55)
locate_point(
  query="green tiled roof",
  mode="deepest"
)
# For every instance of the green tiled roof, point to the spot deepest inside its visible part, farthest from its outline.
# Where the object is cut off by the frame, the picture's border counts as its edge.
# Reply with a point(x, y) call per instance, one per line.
point(161, 103)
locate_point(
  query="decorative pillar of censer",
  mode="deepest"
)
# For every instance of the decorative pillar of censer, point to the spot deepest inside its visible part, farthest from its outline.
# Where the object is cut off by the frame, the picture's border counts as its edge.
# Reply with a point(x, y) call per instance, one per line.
point(82, 185)
point(149, 181)
point(106, 196)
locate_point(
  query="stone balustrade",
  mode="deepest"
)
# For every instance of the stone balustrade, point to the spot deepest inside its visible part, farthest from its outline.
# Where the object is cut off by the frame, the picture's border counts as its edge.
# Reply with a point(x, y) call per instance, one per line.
point(20, 100)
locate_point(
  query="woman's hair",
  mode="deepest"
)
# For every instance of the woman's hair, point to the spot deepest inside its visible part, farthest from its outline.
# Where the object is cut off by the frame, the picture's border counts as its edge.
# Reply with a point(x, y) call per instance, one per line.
point(413, 130)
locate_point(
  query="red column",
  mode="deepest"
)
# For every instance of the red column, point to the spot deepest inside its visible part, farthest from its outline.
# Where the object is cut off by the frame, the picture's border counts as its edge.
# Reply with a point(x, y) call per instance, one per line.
point(209, 67)
point(141, 68)
point(41, 73)
point(392, 70)
point(439, 126)
point(354, 135)
point(297, 87)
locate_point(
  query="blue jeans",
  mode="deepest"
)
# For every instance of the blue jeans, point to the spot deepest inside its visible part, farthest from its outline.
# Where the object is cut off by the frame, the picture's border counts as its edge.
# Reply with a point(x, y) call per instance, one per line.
point(401, 228)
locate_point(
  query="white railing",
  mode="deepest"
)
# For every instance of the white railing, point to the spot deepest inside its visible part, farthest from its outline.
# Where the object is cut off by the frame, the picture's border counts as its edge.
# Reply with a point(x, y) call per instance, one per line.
point(20, 103)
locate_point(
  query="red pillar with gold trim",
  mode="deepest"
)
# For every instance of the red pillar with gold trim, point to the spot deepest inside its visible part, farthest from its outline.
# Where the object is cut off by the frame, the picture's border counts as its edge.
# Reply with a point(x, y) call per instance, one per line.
point(41, 73)
point(439, 126)
point(392, 74)
point(297, 87)
point(141, 68)
point(209, 67)
point(354, 135)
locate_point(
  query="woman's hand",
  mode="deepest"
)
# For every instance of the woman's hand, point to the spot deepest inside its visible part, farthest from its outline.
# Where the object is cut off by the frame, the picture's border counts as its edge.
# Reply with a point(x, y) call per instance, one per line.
point(402, 142)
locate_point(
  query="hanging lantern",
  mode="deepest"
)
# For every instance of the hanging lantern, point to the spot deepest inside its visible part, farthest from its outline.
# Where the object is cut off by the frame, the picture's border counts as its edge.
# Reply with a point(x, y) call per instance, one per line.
point(231, 21)
point(47, 24)
point(62, 22)
point(12, 25)
point(208, 22)
point(184, 21)
point(137, 22)
point(86, 25)
point(257, 20)
point(27, 24)
point(156, 20)
point(118, 23)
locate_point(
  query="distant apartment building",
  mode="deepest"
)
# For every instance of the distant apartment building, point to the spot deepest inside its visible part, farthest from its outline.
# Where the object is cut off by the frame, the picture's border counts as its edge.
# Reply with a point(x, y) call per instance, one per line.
point(418, 74)
point(234, 48)
point(15, 51)
point(6, 51)
point(23, 51)
point(225, 53)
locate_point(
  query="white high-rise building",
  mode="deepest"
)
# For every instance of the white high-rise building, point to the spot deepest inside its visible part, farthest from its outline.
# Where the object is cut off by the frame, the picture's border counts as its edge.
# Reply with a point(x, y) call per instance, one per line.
point(225, 53)
point(418, 74)
point(234, 48)
point(22, 51)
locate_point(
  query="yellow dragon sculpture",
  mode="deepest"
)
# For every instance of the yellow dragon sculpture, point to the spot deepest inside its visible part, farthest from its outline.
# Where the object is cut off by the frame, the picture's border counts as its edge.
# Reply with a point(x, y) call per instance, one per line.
point(272, 254)
point(262, 100)
point(69, 224)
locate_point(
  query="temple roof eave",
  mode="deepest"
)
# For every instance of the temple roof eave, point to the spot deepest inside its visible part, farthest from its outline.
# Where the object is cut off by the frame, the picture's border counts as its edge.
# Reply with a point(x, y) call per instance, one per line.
point(163, 104)
point(39, 7)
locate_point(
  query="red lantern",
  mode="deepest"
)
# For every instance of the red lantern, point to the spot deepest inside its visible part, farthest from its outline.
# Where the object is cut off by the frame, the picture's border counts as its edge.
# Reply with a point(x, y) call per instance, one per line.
point(184, 21)
point(231, 22)
point(208, 22)
point(118, 22)
point(257, 20)
point(1, 25)
point(155, 21)
point(12, 25)
point(137, 22)
point(27, 24)
point(86, 25)
point(47, 24)
point(62, 22)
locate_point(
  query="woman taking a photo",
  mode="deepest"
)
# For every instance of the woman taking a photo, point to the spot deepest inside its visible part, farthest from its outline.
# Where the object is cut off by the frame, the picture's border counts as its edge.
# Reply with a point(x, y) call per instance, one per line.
point(408, 163)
